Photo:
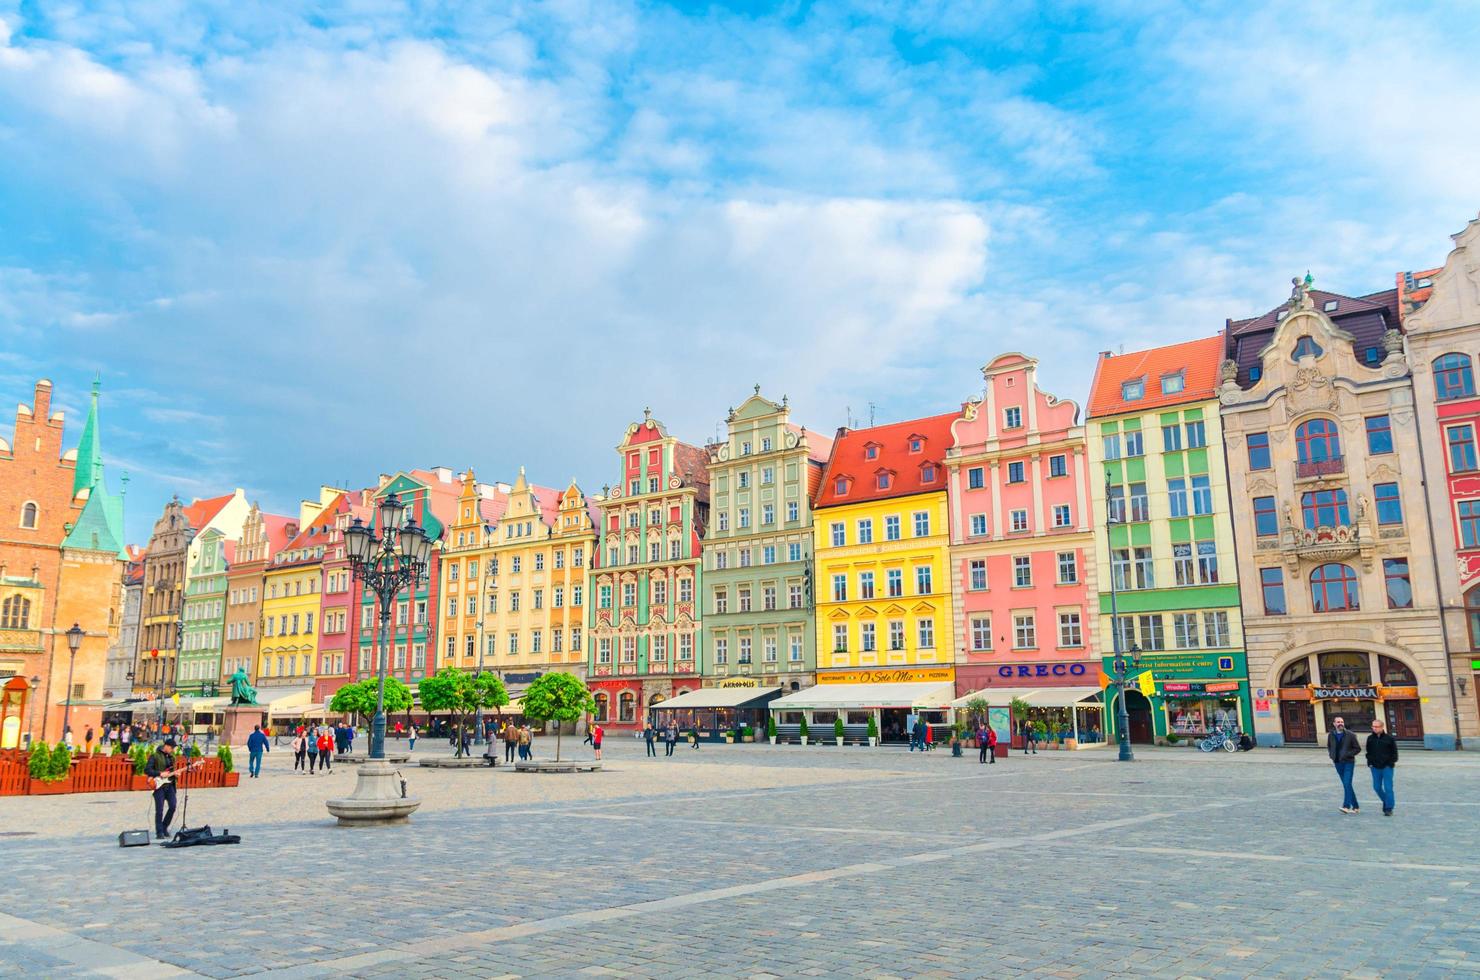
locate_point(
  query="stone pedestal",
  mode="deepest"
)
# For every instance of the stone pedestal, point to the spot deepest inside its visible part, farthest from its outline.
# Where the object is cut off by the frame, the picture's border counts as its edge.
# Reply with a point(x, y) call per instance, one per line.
point(377, 796)
point(239, 719)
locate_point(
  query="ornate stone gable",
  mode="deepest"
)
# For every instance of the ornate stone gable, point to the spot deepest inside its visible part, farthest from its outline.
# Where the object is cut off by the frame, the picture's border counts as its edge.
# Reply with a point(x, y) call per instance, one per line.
point(1455, 300)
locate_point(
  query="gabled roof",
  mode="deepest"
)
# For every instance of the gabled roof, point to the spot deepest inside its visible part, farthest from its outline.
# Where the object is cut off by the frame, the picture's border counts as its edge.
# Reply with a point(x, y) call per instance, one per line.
point(93, 530)
point(316, 532)
point(819, 446)
point(1197, 359)
point(201, 512)
point(848, 460)
point(1366, 318)
point(278, 529)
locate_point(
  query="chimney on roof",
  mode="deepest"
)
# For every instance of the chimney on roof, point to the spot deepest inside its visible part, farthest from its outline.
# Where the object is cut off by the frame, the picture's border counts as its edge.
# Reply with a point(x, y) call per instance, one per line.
point(444, 473)
point(1105, 353)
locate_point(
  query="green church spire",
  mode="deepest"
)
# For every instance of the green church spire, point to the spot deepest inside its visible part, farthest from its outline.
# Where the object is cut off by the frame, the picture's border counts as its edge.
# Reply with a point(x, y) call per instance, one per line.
point(89, 451)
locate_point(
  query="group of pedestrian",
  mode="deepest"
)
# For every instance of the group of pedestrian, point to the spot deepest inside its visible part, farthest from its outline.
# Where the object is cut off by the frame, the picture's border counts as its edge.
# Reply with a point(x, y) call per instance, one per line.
point(517, 739)
point(313, 744)
point(668, 735)
point(1382, 758)
point(986, 742)
point(922, 736)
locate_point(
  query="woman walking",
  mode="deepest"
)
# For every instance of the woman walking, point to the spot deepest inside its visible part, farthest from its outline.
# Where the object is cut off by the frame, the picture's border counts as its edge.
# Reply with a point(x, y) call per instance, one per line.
point(300, 750)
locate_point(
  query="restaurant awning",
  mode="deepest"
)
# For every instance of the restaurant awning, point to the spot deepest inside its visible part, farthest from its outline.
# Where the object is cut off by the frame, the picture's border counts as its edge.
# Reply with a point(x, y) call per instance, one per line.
point(905, 694)
point(718, 697)
point(1037, 697)
point(278, 700)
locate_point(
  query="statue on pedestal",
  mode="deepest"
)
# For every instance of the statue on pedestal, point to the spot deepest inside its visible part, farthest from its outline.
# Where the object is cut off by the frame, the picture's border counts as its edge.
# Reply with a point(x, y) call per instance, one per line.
point(242, 691)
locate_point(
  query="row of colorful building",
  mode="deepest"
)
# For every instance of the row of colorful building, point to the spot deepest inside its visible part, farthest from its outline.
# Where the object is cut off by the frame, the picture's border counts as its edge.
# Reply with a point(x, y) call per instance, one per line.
point(1285, 517)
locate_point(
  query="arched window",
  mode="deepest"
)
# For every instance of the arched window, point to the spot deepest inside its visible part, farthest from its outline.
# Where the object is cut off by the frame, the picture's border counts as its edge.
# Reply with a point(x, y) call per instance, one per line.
point(1306, 347)
point(1333, 588)
point(602, 704)
point(15, 613)
point(1346, 669)
point(1317, 441)
point(1296, 674)
point(1395, 673)
point(627, 706)
point(1454, 376)
point(1472, 611)
point(28, 514)
point(1325, 508)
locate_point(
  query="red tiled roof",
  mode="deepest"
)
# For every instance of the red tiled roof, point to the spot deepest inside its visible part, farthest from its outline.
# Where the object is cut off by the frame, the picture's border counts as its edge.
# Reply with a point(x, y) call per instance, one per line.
point(317, 530)
point(1198, 359)
point(692, 463)
point(228, 548)
point(850, 461)
point(819, 446)
point(278, 529)
point(1412, 295)
point(200, 512)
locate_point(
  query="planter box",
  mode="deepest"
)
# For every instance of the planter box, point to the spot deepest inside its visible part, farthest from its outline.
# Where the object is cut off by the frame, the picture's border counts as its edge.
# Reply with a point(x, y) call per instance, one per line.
point(137, 782)
point(872, 741)
point(840, 742)
point(773, 739)
point(41, 788)
point(232, 778)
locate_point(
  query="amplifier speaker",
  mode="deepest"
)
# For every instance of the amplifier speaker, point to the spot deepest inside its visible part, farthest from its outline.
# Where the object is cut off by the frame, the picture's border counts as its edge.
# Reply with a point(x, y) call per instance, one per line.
point(134, 838)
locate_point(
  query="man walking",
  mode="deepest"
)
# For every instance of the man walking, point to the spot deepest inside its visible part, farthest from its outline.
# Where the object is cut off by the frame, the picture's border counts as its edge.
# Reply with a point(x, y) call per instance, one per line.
point(256, 745)
point(511, 740)
point(160, 767)
point(670, 738)
point(1343, 748)
point(650, 737)
point(1382, 757)
point(597, 732)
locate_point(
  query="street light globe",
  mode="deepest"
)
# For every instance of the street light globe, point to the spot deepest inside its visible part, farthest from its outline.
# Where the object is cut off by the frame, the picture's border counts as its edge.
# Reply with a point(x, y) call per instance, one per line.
point(359, 543)
point(410, 534)
point(388, 519)
point(74, 637)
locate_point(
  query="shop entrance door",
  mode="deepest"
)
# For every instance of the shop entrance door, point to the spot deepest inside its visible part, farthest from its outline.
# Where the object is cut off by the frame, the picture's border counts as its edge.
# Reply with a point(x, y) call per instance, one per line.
point(1298, 721)
point(1405, 720)
point(894, 725)
point(1139, 710)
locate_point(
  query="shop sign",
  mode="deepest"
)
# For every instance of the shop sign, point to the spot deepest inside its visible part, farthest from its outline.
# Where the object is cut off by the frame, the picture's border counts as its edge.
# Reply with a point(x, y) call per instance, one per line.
point(1188, 664)
point(1398, 693)
point(1343, 693)
point(1294, 694)
point(528, 677)
point(1261, 705)
point(739, 682)
point(888, 676)
point(1009, 671)
point(1221, 686)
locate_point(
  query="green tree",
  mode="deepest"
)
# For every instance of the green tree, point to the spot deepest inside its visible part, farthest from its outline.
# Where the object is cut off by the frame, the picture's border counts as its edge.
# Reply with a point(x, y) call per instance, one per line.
point(462, 694)
point(61, 763)
point(560, 698)
point(976, 710)
point(359, 698)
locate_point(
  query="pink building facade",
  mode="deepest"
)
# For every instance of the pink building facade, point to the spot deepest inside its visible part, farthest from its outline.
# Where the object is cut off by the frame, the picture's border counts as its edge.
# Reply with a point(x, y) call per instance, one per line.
point(1021, 537)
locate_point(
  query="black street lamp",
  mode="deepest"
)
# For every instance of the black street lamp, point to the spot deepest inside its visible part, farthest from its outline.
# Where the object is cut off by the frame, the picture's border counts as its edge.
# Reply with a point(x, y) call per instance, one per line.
point(1123, 663)
point(31, 709)
point(74, 641)
point(386, 563)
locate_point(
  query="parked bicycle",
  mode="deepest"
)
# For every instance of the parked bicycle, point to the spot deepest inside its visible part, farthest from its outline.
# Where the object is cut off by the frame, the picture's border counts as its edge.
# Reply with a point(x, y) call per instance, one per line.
point(1221, 738)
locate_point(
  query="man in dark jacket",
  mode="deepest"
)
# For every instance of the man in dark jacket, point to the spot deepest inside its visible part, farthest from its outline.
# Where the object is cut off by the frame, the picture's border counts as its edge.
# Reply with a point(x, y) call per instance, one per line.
point(161, 766)
point(1382, 757)
point(1343, 748)
point(257, 744)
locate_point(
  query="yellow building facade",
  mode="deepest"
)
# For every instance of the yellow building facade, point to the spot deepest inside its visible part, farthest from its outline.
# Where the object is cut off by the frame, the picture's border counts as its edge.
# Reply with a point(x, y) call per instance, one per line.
point(292, 593)
point(882, 550)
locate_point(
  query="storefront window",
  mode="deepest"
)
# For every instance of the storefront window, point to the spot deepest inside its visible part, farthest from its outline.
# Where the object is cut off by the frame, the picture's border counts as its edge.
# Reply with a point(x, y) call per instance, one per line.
point(1345, 670)
point(823, 717)
point(602, 703)
point(857, 718)
point(627, 705)
point(1358, 715)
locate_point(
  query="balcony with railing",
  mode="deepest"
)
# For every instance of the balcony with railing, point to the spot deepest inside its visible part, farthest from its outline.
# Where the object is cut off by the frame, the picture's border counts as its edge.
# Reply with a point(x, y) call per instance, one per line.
point(1310, 469)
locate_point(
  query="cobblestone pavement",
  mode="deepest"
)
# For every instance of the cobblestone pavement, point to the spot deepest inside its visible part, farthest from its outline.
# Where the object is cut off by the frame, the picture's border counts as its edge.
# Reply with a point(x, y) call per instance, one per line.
point(745, 861)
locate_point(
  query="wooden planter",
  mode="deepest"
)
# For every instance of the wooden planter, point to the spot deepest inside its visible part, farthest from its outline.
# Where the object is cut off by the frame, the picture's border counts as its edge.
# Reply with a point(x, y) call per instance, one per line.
point(232, 778)
point(138, 782)
point(42, 788)
point(101, 774)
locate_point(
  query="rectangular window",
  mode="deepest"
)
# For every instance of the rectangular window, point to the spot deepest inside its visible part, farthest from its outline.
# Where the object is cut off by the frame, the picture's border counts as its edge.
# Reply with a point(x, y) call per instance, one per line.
point(660, 593)
point(768, 597)
point(724, 520)
point(978, 525)
point(1389, 504)
point(1469, 527)
point(794, 551)
point(604, 596)
point(1152, 637)
point(1024, 632)
point(535, 641)
point(1399, 587)
point(1112, 447)
point(1272, 585)
point(1171, 438)
point(1207, 563)
point(1062, 515)
point(1379, 435)
point(975, 478)
point(1140, 504)
point(768, 513)
point(922, 524)
point(1215, 629)
point(1182, 565)
point(1071, 632)
point(1012, 418)
point(1068, 565)
point(1120, 568)
point(660, 648)
point(1125, 632)
point(1015, 473)
point(721, 601)
point(925, 633)
point(1185, 632)
point(981, 632)
point(1461, 441)
point(1022, 571)
point(1134, 444)
point(629, 596)
point(891, 528)
point(793, 511)
point(685, 590)
point(1197, 436)
point(840, 588)
point(1202, 495)
point(865, 531)
point(1266, 519)
point(1145, 576)
point(744, 557)
point(1019, 521)
point(977, 574)
point(896, 634)
point(742, 519)
point(865, 585)
point(840, 638)
point(604, 650)
point(794, 647)
point(557, 598)
point(1115, 504)
point(794, 595)
point(922, 580)
point(721, 650)
point(839, 534)
point(1177, 497)
point(1058, 465)
point(894, 579)
point(866, 639)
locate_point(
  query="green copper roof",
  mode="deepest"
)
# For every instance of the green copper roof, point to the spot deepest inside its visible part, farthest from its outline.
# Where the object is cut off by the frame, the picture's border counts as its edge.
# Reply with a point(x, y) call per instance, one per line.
point(89, 451)
point(96, 526)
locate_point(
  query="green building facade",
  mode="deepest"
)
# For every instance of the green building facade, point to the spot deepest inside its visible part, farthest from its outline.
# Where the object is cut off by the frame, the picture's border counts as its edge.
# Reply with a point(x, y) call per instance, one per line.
point(199, 669)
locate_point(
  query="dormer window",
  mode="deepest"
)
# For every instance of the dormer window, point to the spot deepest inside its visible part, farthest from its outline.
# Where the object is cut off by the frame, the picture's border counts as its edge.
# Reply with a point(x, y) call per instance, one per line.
point(1330, 305)
point(927, 473)
point(1173, 383)
point(841, 486)
point(1305, 347)
point(1134, 390)
point(883, 480)
point(871, 451)
point(917, 445)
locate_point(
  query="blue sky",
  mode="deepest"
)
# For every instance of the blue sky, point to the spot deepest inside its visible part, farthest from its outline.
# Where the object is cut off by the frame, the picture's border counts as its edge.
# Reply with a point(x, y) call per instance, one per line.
point(306, 248)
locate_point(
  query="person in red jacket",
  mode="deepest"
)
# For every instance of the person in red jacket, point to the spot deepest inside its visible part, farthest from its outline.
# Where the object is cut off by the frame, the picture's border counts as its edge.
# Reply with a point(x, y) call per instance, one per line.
point(597, 734)
point(929, 736)
point(326, 748)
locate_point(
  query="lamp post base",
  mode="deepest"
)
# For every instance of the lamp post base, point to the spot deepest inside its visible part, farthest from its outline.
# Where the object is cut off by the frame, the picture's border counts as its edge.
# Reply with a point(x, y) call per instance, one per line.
point(377, 797)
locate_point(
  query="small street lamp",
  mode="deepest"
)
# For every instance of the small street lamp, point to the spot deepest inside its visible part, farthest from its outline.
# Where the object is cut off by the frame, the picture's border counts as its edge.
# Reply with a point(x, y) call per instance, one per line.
point(386, 563)
point(31, 708)
point(74, 641)
point(1122, 664)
